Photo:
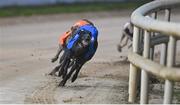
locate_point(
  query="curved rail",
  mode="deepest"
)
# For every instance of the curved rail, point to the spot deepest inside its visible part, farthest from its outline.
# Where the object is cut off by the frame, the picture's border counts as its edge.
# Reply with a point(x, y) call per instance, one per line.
point(138, 17)
point(143, 60)
point(172, 74)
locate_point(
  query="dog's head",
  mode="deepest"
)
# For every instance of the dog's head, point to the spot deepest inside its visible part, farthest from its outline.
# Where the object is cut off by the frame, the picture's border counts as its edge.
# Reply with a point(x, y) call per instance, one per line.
point(81, 46)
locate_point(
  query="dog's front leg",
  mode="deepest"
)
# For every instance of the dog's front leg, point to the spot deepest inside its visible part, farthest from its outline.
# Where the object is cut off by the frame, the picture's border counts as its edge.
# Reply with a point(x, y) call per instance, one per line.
point(77, 72)
point(63, 82)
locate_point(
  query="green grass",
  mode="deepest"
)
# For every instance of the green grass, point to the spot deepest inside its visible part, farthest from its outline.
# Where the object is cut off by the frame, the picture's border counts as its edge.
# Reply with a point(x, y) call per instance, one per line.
point(66, 8)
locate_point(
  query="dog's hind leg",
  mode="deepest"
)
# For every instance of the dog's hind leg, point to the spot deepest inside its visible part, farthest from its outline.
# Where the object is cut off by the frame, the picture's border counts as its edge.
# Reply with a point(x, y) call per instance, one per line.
point(62, 67)
point(65, 59)
point(66, 68)
point(53, 72)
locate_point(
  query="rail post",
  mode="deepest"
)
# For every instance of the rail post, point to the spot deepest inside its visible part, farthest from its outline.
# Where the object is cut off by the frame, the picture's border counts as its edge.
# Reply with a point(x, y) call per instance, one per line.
point(163, 59)
point(170, 63)
point(153, 15)
point(144, 74)
point(133, 70)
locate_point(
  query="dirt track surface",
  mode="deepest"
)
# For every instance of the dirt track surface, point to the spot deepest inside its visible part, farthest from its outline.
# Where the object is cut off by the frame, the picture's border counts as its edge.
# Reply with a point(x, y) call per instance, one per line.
point(27, 45)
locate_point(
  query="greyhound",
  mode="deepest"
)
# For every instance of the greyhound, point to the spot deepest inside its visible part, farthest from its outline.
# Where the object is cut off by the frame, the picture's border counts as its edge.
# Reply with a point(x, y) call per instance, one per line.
point(74, 58)
point(127, 35)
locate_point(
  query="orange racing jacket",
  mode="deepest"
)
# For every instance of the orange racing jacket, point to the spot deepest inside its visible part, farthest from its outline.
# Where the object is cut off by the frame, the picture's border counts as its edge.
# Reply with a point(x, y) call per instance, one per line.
point(64, 37)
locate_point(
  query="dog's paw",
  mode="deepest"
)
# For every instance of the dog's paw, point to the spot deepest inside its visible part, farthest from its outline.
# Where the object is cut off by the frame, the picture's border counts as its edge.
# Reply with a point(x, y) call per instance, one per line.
point(51, 74)
point(60, 73)
point(61, 84)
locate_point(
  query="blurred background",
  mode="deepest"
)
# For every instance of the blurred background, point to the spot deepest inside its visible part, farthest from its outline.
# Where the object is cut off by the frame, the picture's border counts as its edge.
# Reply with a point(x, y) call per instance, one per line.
point(29, 32)
point(4, 3)
point(31, 7)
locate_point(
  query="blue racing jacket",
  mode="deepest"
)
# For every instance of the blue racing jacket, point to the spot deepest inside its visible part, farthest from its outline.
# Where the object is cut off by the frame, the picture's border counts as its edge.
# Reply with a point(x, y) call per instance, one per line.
point(93, 43)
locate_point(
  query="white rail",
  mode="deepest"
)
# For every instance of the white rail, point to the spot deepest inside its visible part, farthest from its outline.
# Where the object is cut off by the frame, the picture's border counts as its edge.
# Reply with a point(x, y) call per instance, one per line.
point(138, 61)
